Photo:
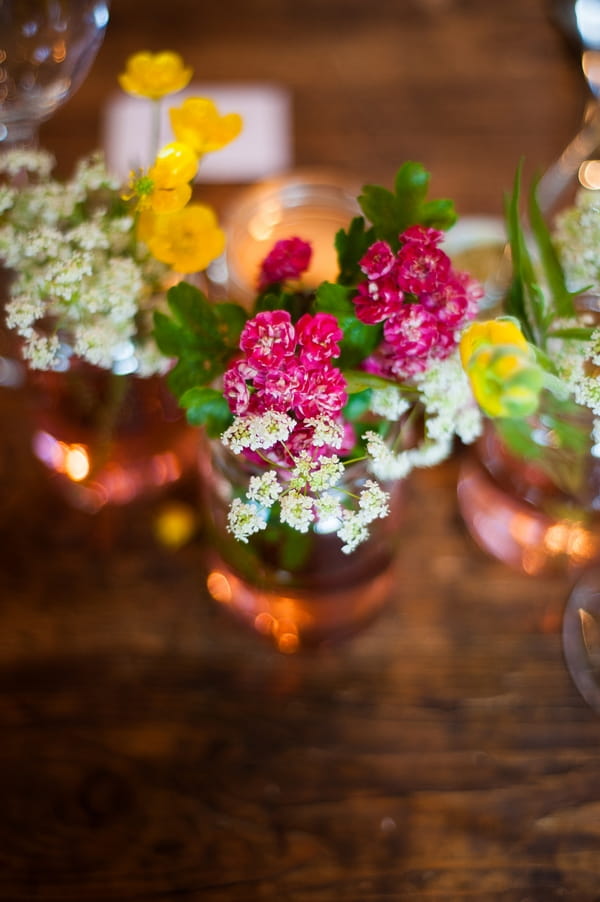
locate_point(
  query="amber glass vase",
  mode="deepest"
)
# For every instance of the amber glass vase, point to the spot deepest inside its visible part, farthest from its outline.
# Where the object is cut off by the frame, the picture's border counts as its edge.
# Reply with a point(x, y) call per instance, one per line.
point(297, 589)
point(538, 513)
point(106, 438)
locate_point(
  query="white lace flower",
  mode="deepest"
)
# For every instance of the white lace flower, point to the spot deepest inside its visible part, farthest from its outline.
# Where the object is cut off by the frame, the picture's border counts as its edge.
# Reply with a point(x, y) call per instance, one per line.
point(389, 403)
point(328, 508)
point(237, 436)
point(245, 519)
point(264, 489)
point(353, 531)
point(268, 428)
point(326, 473)
point(326, 431)
point(297, 510)
point(386, 464)
point(373, 502)
point(41, 351)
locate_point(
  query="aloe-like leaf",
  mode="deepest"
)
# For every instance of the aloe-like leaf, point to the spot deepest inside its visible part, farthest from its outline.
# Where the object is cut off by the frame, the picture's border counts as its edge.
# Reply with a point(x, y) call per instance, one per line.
point(553, 271)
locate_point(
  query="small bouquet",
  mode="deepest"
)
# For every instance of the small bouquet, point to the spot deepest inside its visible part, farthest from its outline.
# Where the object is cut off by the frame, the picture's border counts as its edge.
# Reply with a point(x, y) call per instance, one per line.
point(533, 368)
point(91, 259)
point(308, 382)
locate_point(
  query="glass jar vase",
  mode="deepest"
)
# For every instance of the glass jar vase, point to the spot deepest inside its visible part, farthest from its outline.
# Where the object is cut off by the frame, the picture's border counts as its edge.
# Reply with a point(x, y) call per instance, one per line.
point(298, 589)
point(106, 438)
point(539, 512)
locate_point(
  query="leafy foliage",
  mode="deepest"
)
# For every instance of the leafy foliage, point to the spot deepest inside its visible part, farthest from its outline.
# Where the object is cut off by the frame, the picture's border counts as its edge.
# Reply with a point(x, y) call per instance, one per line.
point(538, 294)
point(200, 334)
point(360, 339)
point(389, 214)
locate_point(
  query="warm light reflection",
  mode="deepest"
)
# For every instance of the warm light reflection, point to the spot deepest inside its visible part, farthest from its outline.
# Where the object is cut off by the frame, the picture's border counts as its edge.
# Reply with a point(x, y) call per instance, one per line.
point(518, 534)
point(59, 52)
point(219, 587)
point(116, 482)
point(76, 462)
point(589, 174)
point(72, 460)
point(261, 226)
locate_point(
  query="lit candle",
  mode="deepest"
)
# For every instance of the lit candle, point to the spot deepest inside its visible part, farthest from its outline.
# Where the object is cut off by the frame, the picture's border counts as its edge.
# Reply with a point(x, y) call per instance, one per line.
point(311, 206)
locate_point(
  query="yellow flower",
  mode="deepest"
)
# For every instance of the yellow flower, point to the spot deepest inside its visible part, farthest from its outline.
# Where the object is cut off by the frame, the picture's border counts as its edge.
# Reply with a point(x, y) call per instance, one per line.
point(188, 240)
point(165, 187)
point(505, 377)
point(154, 75)
point(505, 380)
point(198, 123)
point(501, 331)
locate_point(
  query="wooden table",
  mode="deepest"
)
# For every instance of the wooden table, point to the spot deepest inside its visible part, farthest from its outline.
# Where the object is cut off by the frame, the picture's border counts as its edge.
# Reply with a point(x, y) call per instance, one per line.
point(150, 748)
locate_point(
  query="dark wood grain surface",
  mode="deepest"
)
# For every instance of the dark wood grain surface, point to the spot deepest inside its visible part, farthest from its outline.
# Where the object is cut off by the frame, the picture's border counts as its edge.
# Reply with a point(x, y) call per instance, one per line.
point(152, 750)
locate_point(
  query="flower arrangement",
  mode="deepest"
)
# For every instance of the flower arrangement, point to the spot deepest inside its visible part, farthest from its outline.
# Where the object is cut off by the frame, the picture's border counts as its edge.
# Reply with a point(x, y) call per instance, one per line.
point(305, 383)
point(90, 259)
point(534, 368)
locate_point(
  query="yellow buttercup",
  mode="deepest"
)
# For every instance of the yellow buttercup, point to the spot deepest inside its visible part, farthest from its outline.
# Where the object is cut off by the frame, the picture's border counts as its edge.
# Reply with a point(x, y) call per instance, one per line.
point(155, 75)
point(198, 123)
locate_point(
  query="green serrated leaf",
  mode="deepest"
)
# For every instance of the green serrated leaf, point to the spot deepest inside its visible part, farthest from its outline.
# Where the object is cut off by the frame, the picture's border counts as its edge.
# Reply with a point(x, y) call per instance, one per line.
point(193, 370)
point(231, 319)
point(206, 407)
point(392, 213)
point(168, 335)
point(351, 246)
point(334, 298)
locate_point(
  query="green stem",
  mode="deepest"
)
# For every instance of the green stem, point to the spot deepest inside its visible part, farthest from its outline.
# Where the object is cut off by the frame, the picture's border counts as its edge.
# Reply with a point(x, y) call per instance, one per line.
point(108, 417)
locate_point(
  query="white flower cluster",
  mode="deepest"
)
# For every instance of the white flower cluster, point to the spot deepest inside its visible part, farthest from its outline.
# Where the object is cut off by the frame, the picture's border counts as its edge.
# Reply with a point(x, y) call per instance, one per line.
point(577, 239)
point(82, 283)
point(310, 493)
point(449, 410)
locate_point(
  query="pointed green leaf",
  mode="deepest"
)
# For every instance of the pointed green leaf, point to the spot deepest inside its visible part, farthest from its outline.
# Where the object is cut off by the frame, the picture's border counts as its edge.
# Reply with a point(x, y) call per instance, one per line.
point(207, 407)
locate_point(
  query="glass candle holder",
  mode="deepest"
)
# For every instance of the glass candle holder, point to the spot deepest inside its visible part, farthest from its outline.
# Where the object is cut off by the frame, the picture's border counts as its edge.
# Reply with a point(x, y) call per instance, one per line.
point(308, 204)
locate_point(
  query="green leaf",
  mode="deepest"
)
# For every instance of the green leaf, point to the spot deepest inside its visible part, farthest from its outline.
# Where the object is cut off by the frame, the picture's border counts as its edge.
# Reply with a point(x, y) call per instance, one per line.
point(168, 335)
point(333, 298)
point(357, 404)
point(231, 319)
point(207, 407)
point(580, 333)
point(516, 296)
point(553, 271)
point(191, 309)
point(392, 213)
point(351, 246)
point(358, 381)
point(193, 370)
point(360, 339)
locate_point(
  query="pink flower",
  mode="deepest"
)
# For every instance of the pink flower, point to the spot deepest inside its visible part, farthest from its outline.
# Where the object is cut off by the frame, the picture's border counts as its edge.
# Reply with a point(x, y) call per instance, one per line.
point(422, 236)
point(411, 333)
point(378, 299)
point(378, 260)
point(319, 338)
point(268, 338)
point(323, 392)
point(277, 389)
point(235, 388)
point(421, 268)
point(288, 259)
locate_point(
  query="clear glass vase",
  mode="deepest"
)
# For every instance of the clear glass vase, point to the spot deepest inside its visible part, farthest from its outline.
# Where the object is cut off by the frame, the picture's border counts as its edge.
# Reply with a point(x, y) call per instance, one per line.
point(297, 589)
point(106, 438)
point(537, 514)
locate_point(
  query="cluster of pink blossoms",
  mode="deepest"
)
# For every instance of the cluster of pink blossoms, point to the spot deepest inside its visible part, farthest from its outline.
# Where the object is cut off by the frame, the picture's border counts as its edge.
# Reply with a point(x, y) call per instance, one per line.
point(421, 301)
point(287, 368)
point(288, 259)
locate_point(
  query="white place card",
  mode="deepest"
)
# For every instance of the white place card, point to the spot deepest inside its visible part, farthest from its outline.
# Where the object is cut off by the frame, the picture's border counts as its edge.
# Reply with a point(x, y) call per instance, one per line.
point(263, 148)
